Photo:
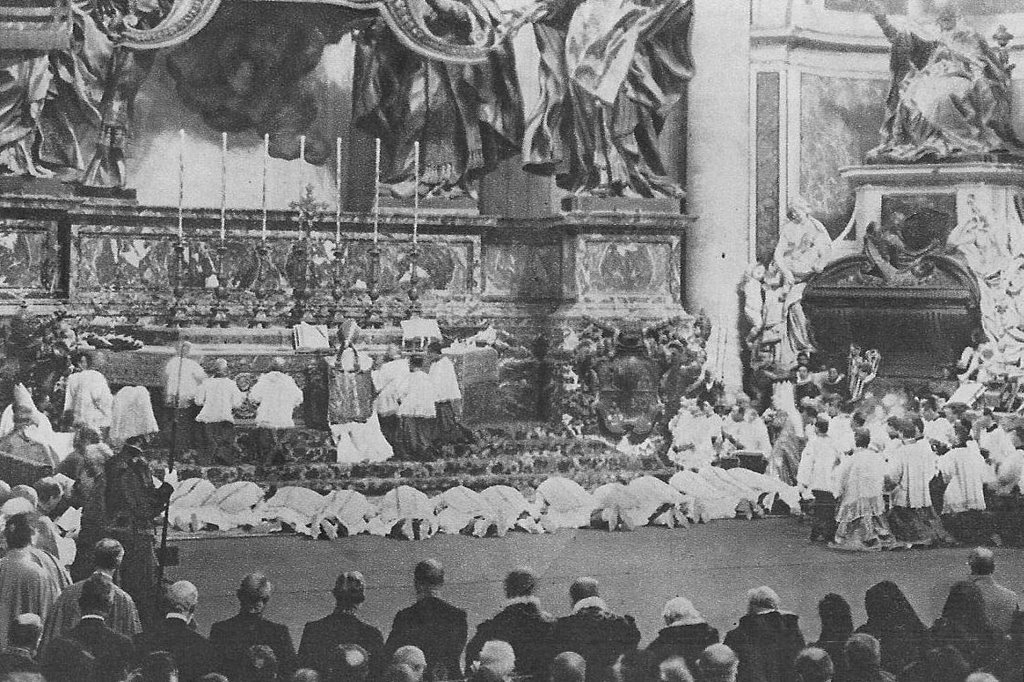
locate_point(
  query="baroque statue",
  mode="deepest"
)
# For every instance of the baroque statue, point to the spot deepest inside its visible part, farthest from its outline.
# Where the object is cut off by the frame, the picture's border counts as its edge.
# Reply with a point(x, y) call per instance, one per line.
point(609, 73)
point(949, 98)
point(772, 292)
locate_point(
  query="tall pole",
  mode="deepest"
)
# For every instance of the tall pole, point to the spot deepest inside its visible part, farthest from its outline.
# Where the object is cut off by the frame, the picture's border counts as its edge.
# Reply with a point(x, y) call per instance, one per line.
point(171, 457)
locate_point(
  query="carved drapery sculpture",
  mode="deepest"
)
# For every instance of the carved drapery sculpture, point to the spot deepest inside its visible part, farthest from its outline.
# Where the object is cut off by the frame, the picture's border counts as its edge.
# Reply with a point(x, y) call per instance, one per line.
point(610, 71)
point(949, 98)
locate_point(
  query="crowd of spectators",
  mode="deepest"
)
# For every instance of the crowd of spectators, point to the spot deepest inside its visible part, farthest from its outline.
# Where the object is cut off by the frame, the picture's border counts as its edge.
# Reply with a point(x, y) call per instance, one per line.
point(91, 632)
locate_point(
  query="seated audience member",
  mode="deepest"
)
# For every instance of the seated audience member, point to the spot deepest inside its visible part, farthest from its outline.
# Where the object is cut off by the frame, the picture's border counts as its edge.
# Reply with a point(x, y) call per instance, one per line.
point(766, 640)
point(593, 631)
point(964, 625)
point(635, 666)
point(894, 623)
point(522, 623)
point(438, 628)
point(411, 657)
point(343, 626)
point(942, 664)
point(23, 645)
point(158, 666)
point(347, 663)
point(674, 669)
point(568, 666)
point(233, 638)
point(836, 627)
point(863, 656)
point(686, 633)
point(718, 663)
point(112, 652)
point(123, 618)
point(496, 661)
point(1001, 603)
point(193, 655)
point(813, 665)
point(399, 673)
point(981, 677)
point(305, 675)
point(259, 665)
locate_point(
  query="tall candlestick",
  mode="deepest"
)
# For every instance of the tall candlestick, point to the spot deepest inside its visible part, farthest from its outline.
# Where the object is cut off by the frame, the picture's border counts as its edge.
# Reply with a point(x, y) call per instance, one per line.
point(223, 184)
point(416, 192)
point(302, 178)
point(266, 158)
point(376, 193)
point(337, 189)
point(181, 183)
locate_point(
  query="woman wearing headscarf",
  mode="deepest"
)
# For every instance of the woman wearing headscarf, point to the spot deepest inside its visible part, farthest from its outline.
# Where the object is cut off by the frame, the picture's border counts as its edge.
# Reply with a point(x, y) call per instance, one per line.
point(766, 640)
point(963, 625)
point(863, 656)
point(893, 622)
point(836, 627)
point(686, 633)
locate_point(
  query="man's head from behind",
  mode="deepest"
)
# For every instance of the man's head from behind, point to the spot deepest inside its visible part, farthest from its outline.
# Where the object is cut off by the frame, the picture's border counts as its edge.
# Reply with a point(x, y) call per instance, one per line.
point(349, 590)
point(583, 588)
point(182, 598)
point(411, 657)
point(254, 593)
point(497, 657)
point(520, 582)
point(428, 576)
point(674, 669)
point(107, 555)
point(568, 666)
point(813, 665)
point(718, 663)
point(259, 664)
point(97, 597)
point(348, 663)
point(25, 631)
point(982, 561)
point(19, 531)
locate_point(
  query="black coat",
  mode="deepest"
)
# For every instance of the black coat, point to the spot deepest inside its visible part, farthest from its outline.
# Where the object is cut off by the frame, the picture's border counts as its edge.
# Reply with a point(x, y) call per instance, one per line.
point(17, 661)
point(527, 628)
point(438, 629)
point(233, 637)
point(320, 637)
point(597, 635)
point(687, 641)
point(766, 645)
point(193, 653)
point(111, 652)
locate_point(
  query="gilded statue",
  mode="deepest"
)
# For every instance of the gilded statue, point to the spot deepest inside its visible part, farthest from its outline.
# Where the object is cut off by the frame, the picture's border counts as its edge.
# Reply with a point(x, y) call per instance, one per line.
point(949, 99)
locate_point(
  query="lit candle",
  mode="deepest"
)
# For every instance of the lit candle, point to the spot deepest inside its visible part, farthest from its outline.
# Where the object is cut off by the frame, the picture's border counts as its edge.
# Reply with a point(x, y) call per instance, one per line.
point(223, 184)
point(337, 187)
point(181, 183)
point(266, 158)
point(416, 192)
point(376, 193)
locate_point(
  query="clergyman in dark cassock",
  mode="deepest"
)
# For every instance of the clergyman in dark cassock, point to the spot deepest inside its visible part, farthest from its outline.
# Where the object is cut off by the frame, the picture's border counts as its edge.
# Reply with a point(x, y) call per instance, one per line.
point(436, 627)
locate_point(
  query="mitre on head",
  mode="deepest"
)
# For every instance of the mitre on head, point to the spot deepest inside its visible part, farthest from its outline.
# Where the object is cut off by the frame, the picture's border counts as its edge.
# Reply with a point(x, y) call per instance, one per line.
point(24, 408)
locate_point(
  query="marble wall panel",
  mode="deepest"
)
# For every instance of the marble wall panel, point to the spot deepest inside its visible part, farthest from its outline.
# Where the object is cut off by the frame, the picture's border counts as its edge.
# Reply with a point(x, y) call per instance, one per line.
point(108, 260)
point(523, 272)
point(839, 122)
point(973, 7)
point(29, 260)
point(767, 160)
point(624, 267)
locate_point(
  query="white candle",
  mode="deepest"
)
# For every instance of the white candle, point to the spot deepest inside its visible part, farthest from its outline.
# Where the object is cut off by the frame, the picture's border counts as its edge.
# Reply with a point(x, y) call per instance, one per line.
point(337, 188)
point(376, 193)
point(223, 184)
point(266, 158)
point(302, 177)
point(181, 183)
point(416, 192)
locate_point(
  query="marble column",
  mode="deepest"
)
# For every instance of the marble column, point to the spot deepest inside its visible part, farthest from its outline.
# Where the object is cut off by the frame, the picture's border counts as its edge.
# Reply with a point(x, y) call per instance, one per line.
point(718, 175)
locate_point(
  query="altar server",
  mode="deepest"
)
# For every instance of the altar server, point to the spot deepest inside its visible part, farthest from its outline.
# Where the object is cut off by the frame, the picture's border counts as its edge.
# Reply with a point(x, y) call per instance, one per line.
point(277, 395)
point(447, 397)
point(860, 484)
point(912, 467)
point(218, 397)
point(87, 397)
point(389, 381)
point(417, 414)
point(182, 378)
